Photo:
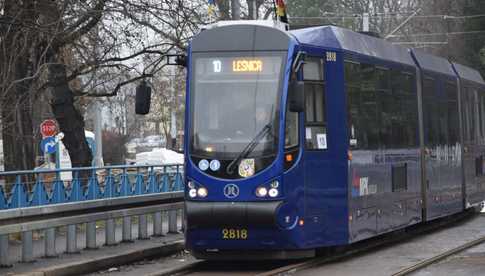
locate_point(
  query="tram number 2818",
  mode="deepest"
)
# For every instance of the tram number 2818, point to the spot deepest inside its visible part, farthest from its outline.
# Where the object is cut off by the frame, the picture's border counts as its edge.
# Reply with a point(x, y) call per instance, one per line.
point(234, 234)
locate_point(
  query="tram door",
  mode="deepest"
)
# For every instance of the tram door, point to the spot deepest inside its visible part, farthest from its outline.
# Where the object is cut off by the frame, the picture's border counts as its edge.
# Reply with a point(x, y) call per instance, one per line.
point(442, 164)
point(316, 142)
point(319, 149)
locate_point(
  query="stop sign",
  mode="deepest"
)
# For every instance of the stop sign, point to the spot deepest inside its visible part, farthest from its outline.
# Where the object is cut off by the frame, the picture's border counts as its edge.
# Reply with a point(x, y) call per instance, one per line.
point(48, 128)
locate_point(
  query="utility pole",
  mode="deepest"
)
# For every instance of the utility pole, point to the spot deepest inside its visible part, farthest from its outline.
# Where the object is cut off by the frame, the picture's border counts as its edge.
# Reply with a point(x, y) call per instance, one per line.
point(235, 10)
point(365, 22)
point(98, 155)
point(173, 113)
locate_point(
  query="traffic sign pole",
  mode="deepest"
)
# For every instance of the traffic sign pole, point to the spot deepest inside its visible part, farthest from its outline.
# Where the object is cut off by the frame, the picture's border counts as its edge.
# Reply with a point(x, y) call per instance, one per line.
point(48, 128)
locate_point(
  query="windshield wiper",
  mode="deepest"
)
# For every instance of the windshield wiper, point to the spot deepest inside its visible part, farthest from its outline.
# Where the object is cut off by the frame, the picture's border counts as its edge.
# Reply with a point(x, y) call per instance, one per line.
point(249, 147)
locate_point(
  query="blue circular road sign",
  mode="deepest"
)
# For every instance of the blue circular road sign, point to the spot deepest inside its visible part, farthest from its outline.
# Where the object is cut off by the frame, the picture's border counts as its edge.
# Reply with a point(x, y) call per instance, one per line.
point(48, 145)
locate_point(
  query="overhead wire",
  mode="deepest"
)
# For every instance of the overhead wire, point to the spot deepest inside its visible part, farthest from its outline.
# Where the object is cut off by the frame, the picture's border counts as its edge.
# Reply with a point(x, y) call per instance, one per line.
point(438, 34)
point(390, 15)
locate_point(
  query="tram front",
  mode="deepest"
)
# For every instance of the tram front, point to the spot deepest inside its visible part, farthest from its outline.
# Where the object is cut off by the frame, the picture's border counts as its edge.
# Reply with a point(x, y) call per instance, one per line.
point(237, 146)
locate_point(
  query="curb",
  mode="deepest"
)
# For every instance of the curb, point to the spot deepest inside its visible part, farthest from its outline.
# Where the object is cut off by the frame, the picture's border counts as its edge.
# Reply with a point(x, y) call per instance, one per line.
point(93, 265)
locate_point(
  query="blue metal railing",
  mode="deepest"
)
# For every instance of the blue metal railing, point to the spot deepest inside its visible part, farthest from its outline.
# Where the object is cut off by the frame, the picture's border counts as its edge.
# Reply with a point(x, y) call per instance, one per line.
point(43, 187)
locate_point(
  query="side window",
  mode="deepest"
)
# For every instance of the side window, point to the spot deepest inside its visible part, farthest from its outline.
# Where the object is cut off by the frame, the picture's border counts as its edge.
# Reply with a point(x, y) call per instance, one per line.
point(474, 116)
point(482, 109)
point(469, 113)
point(430, 112)
point(381, 107)
point(406, 108)
point(465, 113)
point(315, 103)
point(452, 110)
point(291, 128)
point(361, 82)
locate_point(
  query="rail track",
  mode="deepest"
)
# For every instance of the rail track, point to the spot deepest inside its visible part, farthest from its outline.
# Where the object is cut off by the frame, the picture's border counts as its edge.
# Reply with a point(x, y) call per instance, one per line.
point(437, 258)
point(334, 254)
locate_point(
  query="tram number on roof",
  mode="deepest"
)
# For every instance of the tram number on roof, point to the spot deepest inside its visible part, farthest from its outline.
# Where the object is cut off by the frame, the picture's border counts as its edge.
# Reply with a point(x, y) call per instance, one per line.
point(331, 56)
point(247, 65)
point(234, 234)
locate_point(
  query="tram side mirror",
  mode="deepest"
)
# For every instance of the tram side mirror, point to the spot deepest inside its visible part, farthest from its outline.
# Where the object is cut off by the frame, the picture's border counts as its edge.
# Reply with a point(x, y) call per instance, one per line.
point(296, 96)
point(143, 98)
point(177, 59)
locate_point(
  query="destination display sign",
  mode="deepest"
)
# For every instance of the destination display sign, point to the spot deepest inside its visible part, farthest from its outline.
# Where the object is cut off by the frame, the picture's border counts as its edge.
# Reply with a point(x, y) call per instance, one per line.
point(247, 65)
point(218, 66)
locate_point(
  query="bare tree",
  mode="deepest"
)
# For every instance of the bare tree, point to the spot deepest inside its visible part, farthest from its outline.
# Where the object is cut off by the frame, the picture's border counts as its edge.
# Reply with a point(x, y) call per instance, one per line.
point(71, 50)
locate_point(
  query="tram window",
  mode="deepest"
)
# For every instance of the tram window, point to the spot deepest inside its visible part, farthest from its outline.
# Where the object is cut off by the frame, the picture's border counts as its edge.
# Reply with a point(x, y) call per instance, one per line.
point(352, 74)
point(482, 121)
point(388, 107)
point(291, 128)
point(409, 108)
point(430, 112)
point(480, 116)
point(474, 115)
point(452, 111)
point(313, 70)
point(469, 113)
point(362, 108)
point(315, 102)
point(464, 113)
point(315, 129)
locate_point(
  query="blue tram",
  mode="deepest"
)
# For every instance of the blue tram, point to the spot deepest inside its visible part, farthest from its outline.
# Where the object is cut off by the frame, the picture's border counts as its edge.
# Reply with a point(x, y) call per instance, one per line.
point(318, 137)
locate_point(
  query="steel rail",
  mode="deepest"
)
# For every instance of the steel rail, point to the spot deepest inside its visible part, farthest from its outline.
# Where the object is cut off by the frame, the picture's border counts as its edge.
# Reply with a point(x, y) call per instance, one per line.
point(368, 245)
point(439, 257)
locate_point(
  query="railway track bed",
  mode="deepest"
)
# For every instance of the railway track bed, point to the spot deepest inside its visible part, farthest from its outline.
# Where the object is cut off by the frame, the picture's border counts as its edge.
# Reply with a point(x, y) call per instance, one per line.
point(398, 254)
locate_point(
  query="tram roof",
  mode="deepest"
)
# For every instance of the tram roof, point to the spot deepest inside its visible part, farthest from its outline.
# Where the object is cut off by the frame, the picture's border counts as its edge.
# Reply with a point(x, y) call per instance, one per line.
point(340, 38)
point(468, 73)
point(434, 63)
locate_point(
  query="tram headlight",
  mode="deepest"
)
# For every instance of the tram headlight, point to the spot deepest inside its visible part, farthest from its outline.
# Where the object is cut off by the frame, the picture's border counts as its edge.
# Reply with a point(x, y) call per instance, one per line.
point(261, 191)
point(273, 192)
point(192, 193)
point(202, 192)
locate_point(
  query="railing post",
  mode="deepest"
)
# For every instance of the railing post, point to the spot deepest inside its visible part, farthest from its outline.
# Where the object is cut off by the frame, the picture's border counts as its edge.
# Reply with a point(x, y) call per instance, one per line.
point(142, 227)
point(50, 242)
point(93, 193)
point(91, 235)
point(157, 224)
point(182, 219)
point(172, 221)
point(27, 248)
point(110, 231)
point(126, 230)
point(71, 239)
point(4, 251)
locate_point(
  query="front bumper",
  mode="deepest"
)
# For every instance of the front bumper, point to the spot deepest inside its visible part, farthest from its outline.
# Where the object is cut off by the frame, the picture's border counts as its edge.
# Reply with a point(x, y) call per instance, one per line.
point(231, 214)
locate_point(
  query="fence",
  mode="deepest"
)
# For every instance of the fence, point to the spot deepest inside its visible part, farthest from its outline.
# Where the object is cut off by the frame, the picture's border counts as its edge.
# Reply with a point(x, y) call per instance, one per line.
point(49, 199)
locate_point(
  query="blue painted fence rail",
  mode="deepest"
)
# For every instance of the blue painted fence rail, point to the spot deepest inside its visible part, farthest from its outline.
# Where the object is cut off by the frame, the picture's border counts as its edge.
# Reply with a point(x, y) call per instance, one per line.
point(101, 182)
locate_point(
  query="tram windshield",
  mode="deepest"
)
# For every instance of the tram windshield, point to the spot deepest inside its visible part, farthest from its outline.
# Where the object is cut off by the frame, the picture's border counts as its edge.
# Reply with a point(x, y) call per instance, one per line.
point(234, 98)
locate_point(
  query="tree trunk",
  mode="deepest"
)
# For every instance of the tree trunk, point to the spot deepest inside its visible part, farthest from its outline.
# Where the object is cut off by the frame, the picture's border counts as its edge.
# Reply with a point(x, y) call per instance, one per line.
point(252, 11)
point(15, 64)
point(70, 121)
point(235, 10)
point(224, 9)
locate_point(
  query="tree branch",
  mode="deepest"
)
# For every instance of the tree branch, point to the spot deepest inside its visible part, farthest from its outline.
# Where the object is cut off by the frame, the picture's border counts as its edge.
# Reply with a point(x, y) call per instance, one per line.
point(94, 16)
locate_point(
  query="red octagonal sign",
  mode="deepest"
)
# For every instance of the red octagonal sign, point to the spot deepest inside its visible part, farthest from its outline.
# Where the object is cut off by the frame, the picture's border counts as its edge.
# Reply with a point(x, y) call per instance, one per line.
point(48, 128)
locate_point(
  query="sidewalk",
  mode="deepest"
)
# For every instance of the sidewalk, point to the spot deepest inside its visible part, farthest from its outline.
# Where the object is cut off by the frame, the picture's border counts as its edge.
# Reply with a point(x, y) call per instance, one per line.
point(89, 260)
